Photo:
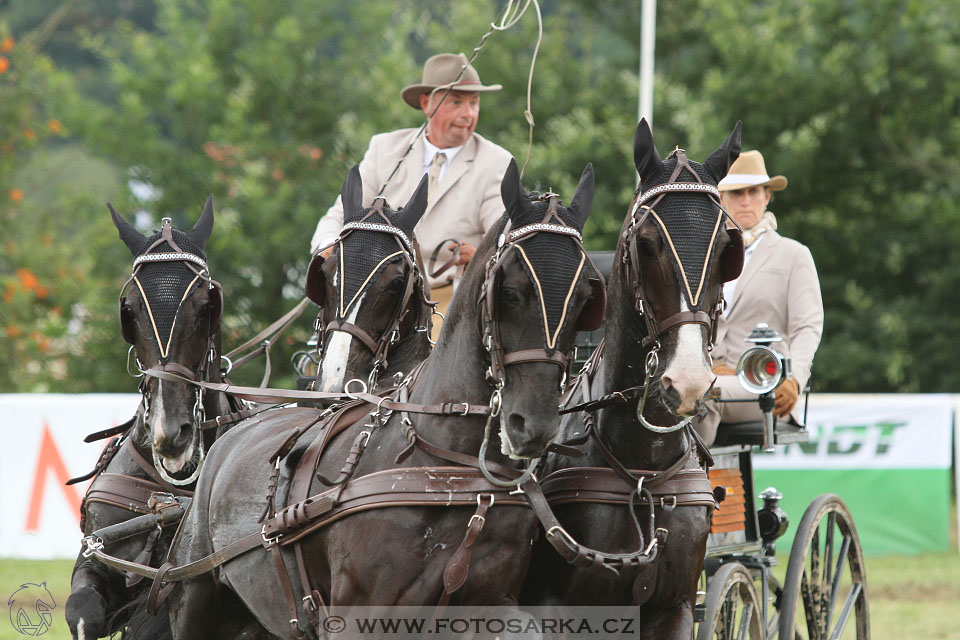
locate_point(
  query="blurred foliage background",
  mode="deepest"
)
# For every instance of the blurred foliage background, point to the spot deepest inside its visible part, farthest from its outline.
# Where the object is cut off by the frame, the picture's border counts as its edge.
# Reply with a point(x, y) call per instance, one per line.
point(153, 104)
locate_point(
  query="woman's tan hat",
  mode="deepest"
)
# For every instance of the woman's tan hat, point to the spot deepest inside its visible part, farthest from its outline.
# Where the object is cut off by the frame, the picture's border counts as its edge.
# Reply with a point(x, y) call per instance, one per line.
point(749, 171)
point(442, 70)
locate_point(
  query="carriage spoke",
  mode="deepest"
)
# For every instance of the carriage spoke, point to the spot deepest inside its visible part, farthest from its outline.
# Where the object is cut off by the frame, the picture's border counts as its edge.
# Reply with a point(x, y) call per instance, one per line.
point(745, 618)
point(855, 591)
point(837, 577)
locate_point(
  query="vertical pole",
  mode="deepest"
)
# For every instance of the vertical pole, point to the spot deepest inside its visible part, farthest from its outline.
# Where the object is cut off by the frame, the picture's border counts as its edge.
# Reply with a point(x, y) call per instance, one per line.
point(648, 36)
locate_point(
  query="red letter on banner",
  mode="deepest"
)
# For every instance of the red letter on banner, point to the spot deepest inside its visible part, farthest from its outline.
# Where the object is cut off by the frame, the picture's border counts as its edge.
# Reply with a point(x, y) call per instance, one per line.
point(49, 459)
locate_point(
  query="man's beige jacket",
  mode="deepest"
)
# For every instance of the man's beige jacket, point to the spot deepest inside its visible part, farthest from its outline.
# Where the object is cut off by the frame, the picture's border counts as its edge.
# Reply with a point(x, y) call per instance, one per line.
point(778, 286)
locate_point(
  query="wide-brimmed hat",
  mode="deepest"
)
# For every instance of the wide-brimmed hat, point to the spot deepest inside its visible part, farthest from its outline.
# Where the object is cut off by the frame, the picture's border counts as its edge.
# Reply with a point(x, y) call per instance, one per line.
point(442, 70)
point(750, 171)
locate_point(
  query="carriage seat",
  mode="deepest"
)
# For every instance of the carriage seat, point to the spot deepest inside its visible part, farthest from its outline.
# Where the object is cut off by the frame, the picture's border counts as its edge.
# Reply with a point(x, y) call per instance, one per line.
point(604, 262)
point(751, 433)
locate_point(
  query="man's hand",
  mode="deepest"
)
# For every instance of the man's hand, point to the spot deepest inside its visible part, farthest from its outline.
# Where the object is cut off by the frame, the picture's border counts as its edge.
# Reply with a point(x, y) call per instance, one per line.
point(787, 394)
point(466, 252)
point(724, 370)
point(326, 252)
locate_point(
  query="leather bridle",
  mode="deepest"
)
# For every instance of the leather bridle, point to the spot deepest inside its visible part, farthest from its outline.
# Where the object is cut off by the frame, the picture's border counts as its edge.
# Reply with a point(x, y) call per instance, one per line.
point(379, 348)
point(507, 244)
point(201, 372)
point(644, 204)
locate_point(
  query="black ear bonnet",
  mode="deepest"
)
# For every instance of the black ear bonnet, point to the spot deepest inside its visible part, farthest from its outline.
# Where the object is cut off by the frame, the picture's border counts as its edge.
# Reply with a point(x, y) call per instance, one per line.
point(690, 224)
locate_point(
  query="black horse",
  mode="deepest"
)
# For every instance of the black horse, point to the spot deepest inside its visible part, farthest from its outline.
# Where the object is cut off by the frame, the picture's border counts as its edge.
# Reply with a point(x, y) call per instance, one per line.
point(414, 553)
point(170, 313)
point(374, 319)
point(643, 385)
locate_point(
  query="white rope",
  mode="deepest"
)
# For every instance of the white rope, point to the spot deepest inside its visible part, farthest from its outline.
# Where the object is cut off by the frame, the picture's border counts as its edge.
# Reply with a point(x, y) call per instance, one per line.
point(511, 16)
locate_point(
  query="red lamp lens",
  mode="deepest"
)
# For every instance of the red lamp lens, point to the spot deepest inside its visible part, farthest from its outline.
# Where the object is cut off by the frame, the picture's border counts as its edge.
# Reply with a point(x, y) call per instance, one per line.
point(771, 368)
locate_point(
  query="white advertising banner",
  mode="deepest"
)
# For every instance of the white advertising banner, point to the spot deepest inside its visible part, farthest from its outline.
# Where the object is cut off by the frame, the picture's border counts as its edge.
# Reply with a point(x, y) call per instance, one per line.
point(42, 448)
point(853, 431)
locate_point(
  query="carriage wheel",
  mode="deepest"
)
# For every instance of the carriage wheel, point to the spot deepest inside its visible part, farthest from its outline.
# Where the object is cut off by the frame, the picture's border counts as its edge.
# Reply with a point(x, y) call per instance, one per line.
point(825, 582)
point(732, 607)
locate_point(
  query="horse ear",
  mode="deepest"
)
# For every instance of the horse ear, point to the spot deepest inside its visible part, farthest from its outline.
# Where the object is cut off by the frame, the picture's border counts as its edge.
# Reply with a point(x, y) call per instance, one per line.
point(645, 156)
point(408, 217)
point(583, 198)
point(130, 236)
point(510, 190)
point(720, 160)
point(201, 231)
point(351, 195)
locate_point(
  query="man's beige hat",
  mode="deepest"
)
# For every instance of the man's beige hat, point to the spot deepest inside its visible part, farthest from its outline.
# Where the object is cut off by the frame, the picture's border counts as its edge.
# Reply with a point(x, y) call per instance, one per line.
point(749, 171)
point(442, 70)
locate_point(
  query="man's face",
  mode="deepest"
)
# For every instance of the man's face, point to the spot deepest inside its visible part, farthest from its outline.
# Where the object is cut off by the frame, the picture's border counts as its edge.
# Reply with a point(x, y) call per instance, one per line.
point(454, 122)
point(746, 205)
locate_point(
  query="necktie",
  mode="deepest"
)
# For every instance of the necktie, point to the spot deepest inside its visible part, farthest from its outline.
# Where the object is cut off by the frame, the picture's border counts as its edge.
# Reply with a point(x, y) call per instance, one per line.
point(434, 176)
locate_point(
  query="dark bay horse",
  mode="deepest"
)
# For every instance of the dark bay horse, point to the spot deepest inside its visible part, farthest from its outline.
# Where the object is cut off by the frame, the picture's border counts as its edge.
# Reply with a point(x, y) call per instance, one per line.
point(648, 378)
point(510, 322)
point(170, 314)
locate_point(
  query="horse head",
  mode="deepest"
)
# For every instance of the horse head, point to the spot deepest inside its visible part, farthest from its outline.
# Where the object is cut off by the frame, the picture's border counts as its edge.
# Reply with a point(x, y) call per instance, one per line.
point(370, 289)
point(539, 289)
point(677, 248)
point(170, 313)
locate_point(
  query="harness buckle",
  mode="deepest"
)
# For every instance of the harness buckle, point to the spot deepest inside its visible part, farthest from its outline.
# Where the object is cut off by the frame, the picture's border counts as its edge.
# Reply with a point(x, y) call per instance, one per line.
point(466, 408)
point(479, 519)
point(309, 603)
point(268, 541)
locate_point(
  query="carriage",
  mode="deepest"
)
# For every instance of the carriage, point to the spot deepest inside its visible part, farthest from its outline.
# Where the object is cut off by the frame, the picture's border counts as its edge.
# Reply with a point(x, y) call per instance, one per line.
point(270, 449)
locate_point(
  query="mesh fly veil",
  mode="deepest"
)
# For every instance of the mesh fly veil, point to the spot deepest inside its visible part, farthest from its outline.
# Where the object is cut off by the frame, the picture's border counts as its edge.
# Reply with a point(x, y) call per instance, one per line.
point(553, 262)
point(165, 284)
point(689, 224)
point(364, 253)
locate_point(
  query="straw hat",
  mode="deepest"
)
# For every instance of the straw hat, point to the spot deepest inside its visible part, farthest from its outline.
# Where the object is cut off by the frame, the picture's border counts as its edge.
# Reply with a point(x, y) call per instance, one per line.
point(442, 70)
point(750, 171)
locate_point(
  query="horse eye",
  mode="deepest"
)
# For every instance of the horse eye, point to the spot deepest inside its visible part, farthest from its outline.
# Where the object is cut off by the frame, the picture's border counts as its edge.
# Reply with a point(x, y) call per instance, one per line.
point(397, 284)
point(510, 297)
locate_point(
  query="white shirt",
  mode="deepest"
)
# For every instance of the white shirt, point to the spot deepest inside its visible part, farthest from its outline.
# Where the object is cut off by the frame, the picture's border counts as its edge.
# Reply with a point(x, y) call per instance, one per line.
point(730, 287)
point(430, 150)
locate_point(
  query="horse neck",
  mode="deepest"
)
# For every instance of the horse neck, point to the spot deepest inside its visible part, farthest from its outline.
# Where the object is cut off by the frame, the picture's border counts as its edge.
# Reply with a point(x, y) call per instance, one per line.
point(622, 367)
point(455, 372)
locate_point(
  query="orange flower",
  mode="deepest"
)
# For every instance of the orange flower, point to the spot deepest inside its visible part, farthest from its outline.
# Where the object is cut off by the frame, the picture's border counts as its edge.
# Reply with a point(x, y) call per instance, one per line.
point(54, 126)
point(4, 64)
point(16, 195)
point(14, 331)
point(277, 175)
point(316, 153)
point(27, 278)
point(11, 290)
point(29, 134)
point(6, 45)
point(41, 292)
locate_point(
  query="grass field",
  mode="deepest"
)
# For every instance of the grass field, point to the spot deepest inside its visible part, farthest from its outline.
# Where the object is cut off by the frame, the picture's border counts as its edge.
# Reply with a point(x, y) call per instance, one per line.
point(911, 597)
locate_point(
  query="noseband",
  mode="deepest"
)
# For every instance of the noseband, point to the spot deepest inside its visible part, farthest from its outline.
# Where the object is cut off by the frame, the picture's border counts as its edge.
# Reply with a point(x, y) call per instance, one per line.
point(379, 348)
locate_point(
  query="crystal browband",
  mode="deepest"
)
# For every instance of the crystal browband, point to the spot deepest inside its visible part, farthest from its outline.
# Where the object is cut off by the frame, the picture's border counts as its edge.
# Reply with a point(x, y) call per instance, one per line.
point(679, 186)
point(541, 226)
point(169, 257)
point(384, 228)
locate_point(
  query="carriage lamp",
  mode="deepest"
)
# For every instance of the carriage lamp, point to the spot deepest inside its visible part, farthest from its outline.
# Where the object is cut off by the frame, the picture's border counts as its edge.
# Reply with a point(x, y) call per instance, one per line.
point(759, 370)
point(772, 520)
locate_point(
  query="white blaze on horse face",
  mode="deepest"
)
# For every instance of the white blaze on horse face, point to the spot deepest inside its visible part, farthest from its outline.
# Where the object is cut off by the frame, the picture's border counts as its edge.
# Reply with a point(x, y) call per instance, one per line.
point(156, 428)
point(688, 371)
point(335, 354)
